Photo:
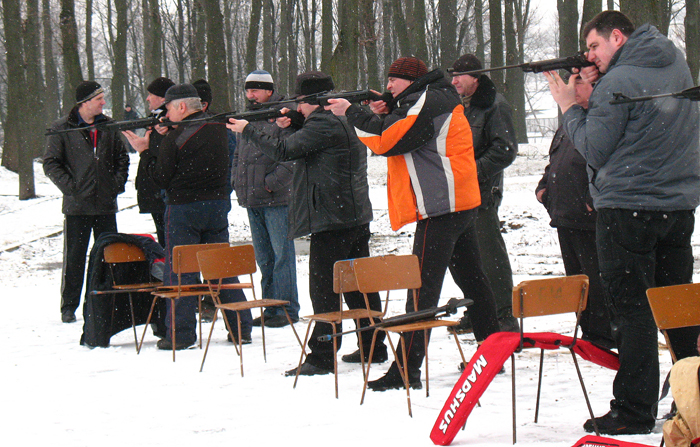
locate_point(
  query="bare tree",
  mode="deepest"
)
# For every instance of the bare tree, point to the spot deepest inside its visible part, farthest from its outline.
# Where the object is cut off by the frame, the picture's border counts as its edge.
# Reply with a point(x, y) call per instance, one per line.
point(344, 63)
point(369, 41)
point(216, 52)
point(692, 36)
point(448, 31)
point(655, 12)
point(69, 48)
point(152, 36)
point(89, 56)
point(496, 32)
point(568, 27)
point(52, 96)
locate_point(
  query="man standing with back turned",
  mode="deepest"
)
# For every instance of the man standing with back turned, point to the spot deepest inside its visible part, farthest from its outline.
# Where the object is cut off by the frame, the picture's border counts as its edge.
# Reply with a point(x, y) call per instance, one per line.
point(90, 168)
point(644, 166)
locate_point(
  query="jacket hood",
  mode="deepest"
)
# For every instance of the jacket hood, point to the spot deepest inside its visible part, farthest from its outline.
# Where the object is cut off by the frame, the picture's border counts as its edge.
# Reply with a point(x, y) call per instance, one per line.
point(485, 94)
point(646, 47)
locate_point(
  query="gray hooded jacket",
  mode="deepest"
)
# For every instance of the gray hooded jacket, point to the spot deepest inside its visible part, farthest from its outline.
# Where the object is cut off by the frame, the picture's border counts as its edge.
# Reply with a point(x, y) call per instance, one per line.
point(642, 155)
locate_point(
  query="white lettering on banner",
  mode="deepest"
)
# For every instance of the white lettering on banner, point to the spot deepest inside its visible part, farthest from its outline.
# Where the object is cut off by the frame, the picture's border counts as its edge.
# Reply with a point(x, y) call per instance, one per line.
point(462, 393)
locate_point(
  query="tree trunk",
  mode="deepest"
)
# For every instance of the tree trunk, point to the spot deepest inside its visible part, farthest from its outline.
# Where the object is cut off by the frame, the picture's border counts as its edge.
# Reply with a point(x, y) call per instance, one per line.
point(216, 53)
point(447, 10)
point(268, 62)
point(654, 12)
point(197, 40)
point(418, 34)
point(388, 36)
point(568, 27)
point(692, 36)
point(119, 67)
point(251, 46)
point(89, 56)
point(292, 47)
point(344, 63)
point(283, 54)
point(479, 30)
point(53, 98)
point(326, 34)
point(152, 40)
point(69, 48)
point(369, 42)
point(496, 32)
point(401, 29)
point(590, 9)
point(34, 122)
point(515, 83)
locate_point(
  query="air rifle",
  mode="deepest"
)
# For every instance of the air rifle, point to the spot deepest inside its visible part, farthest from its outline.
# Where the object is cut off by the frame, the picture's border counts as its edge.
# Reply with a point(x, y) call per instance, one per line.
point(118, 126)
point(692, 94)
point(411, 317)
point(323, 97)
point(563, 63)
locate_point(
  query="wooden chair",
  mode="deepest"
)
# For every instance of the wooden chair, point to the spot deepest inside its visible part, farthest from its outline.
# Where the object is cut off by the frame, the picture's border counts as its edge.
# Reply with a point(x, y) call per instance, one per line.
point(398, 273)
point(184, 261)
point(675, 307)
point(119, 253)
point(217, 265)
point(550, 296)
point(344, 281)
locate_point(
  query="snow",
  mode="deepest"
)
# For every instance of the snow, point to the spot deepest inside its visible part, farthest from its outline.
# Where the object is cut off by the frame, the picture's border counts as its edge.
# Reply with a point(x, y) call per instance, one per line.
point(59, 393)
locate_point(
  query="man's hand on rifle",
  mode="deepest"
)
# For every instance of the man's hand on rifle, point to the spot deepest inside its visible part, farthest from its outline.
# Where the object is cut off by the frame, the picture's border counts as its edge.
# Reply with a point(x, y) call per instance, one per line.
point(236, 125)
point(161, 129)
point(139, 144)
point(284, 121)
point(338, 106)
point(564, 94)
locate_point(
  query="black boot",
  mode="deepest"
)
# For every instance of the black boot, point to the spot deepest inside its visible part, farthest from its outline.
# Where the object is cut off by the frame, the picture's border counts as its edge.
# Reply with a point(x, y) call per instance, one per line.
point(392, 380)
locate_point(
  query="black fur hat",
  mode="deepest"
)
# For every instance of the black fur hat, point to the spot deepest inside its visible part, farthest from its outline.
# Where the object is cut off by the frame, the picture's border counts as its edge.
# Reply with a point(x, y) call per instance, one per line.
point(313, 82)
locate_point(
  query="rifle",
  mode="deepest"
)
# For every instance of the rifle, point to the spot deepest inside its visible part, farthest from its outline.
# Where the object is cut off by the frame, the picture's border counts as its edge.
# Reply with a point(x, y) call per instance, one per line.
point(118, 126)
point(692, 93)
point(323, 97)
point(563, 63)
point(411, 317)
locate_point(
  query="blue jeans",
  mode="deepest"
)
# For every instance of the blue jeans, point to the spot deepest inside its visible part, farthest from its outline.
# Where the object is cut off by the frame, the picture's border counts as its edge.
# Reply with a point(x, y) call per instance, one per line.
point(276, 258)
point(204, 222)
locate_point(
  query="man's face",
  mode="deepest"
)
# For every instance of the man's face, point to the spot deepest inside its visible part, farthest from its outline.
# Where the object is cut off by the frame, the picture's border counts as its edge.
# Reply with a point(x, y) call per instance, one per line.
point(397, 85)
point(177, 110)
point(601, 50)
point(583, 92)
point(90, 109)
point(154, 101)
point(465, 84)
point(258, 95)
point(304, 108)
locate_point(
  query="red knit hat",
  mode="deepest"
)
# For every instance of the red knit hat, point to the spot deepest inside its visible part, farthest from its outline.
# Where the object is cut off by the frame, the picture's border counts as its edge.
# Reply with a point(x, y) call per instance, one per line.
point(409, 68)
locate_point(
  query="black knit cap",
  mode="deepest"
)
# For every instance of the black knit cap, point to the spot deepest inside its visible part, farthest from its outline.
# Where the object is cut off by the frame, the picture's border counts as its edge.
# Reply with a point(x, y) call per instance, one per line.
point(159, 86)
point(87, 90)
point(180, 91)
point(409, 68)
point(468, 62)
point(313, 82)
point(204, 90)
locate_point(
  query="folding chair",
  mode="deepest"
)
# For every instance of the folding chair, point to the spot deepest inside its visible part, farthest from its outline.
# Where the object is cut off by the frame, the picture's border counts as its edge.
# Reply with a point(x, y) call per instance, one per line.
point(550, 296)
point(398, 273)
point(343, 281)
point(216, 265)
point(119, 253)
point(675, 307)
point(184, 261)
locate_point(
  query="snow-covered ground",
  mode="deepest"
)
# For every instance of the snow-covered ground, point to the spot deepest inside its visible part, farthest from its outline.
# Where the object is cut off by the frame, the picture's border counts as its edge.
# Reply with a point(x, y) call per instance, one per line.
point(56, 392)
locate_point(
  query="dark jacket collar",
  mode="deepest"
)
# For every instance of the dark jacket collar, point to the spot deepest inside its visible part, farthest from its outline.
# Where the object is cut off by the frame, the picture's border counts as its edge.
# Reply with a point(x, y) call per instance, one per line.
point(435, 77)
point(75, 120)
point(485, 94)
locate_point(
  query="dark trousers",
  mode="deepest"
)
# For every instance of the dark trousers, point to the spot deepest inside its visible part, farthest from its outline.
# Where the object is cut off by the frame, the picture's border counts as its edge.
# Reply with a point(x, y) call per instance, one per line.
point(638, 250)
point(76, 238)
point(494, 259)
point(204, 222)
point(580, 256)
point(443, 242)
point(326, 249)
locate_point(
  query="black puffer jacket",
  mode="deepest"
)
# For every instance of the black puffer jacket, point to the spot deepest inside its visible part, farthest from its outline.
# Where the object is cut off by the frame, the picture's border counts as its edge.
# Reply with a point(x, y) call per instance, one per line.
point(149, 195)
point(495, 148)
point(565, 181)
point(90, 169)
point(329, 184)
point(258, 179)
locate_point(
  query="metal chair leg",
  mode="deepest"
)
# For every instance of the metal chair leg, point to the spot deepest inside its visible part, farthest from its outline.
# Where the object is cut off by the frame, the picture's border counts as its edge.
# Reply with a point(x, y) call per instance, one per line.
point(148, 321)
point(539, 386)
point(585, 393)
point(512, 362)
point(303, 352)
point(211, 331)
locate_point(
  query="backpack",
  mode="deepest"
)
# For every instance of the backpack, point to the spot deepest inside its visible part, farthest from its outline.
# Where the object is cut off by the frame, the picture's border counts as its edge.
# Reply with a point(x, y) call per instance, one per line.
point(683, 430)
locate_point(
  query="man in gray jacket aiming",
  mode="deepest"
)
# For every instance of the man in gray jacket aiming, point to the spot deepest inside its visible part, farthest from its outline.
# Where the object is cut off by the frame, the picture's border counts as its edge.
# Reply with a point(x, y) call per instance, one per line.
point(644, 168)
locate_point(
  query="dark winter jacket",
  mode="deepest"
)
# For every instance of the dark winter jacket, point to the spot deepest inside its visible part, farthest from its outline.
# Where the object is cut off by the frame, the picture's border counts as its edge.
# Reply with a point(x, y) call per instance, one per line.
point(329, 183)
point(429, 148)
point(259, 180)
point(565, 182)
point(495, 148)
point(641, 155)
point(89, 167)
point(193, 162)
point(149, 195)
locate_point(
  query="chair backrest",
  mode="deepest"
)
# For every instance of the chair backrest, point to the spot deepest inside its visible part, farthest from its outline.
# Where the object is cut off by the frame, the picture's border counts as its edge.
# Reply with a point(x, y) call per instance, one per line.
point(119, 252)
point(675, 306)
point(390, 272)
point(550, 296)
point(185, 256)
point(227, 262)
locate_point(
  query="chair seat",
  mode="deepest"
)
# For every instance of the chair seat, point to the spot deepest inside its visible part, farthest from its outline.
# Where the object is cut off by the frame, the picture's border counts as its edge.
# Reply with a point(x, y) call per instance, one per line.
point(139, 287)
point(351, 314)
point(180, 294)
point(251, 304)
point(420, 325)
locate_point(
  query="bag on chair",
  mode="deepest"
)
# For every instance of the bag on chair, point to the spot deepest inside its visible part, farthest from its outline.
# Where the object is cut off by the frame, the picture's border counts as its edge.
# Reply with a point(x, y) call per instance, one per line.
point(683, 430)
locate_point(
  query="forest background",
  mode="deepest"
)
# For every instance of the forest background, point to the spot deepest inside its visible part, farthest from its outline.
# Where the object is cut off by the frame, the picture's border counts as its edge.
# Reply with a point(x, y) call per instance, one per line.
point(50, 46)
